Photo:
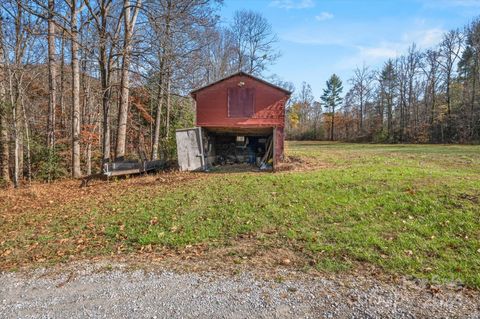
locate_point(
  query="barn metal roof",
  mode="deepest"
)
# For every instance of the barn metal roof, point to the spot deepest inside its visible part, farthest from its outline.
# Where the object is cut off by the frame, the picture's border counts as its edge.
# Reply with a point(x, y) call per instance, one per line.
point(194, 92)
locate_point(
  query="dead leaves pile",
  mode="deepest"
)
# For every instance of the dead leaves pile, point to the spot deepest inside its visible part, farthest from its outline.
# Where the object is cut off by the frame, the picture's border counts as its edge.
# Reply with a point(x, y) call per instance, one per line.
point(50, 222)
point(300, 164)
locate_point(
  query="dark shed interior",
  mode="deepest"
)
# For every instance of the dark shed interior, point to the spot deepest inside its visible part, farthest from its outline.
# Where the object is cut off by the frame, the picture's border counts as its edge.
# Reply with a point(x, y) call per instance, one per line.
point(227, 146)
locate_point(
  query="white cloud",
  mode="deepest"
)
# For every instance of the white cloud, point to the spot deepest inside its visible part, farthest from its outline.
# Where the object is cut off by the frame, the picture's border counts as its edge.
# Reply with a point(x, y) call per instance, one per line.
point(384, 51)
point(292, 4)
point(370, 55)
point(324, 16)
point(378, 53)
point(425, 38)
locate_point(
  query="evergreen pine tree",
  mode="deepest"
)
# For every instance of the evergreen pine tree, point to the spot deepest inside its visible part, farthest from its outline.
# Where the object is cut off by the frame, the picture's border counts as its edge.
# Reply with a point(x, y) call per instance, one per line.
point(331, 98)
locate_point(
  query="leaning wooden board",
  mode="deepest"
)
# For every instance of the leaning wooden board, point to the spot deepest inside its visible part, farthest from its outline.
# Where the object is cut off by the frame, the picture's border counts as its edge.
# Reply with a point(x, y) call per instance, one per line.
point(190, 149)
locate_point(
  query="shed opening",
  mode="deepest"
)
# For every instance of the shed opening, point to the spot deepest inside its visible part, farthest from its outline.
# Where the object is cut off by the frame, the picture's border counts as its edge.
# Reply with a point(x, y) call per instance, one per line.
point(247, 147)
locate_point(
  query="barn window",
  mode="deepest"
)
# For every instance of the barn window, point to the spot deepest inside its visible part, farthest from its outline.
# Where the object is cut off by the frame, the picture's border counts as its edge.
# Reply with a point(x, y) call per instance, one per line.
point(240, 101)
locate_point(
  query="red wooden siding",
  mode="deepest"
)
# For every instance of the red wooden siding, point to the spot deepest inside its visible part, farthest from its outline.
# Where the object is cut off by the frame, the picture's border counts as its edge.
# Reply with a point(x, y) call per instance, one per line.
point(242, 101)
point(269, 105)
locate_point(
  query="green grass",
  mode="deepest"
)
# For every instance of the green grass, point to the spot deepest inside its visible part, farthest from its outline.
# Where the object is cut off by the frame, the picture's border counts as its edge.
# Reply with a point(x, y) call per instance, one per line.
point(407, 209)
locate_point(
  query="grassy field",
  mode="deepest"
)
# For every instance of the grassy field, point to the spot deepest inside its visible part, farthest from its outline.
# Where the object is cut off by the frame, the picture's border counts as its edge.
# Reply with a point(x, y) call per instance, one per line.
point(405, 209)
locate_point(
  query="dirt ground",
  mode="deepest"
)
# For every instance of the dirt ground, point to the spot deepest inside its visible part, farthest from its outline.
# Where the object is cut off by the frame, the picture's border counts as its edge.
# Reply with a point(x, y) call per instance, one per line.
point(40, 196)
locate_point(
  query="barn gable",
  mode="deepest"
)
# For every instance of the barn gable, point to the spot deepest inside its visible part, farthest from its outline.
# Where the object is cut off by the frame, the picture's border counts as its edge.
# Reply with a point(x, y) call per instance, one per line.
point(240, 100)
point(241, 73)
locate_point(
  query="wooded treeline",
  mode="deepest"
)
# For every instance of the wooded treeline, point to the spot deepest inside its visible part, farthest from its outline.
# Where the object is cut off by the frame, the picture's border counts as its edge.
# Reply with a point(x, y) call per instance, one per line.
point(85, 82)
point(429, 96)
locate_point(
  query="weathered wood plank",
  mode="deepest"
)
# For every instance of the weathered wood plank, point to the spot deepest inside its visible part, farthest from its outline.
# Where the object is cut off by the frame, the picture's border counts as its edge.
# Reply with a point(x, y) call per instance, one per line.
point(190, 149)
point(124, 172)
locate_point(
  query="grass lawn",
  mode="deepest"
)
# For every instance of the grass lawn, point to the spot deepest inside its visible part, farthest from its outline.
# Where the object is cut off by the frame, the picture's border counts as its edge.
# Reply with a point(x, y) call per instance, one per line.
point(406, 209)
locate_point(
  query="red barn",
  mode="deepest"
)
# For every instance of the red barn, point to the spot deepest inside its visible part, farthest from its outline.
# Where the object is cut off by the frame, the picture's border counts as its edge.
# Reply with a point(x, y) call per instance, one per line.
point(242, 120)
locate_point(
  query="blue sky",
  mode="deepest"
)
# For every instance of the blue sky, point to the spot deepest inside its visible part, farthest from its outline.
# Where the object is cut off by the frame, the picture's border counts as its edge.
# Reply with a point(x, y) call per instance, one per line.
point(321, 37)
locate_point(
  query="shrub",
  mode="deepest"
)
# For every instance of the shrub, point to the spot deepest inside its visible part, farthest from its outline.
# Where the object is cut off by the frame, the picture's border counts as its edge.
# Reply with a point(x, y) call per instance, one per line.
point(47, 164)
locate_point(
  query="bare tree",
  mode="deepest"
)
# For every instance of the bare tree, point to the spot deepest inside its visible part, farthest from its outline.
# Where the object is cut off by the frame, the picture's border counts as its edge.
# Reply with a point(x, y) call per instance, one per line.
point(305, 99)
point(75, 66)
point(470, 67)
point(52, 76)
point(431, 67)
point(108, 27)
point(63, 117)
point(90, 107)
point(362, 88)
point(450, 48)
point(219, 54)
point(129, 24)
point(4, 150)
point(17, 54)
point(388, 84)
point(181, 35)
point(158, 113)
point(254, 42)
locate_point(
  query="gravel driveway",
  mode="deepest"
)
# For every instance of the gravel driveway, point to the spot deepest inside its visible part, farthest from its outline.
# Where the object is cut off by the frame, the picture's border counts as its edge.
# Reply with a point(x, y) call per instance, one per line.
point(94, 292)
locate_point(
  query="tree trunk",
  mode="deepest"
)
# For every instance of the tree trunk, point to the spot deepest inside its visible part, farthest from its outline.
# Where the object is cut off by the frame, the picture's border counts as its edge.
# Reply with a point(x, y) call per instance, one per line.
point(123, 110)
point(88, 156)
point(52, 74)
point(4, 151)
point(129, 24)
point(63, 121)
point(434, 101)
point(449, 101)
point(332, 125)
point(473, 98)
point(27, 139)
point(104, 79)
point(390, 116)
point(158, 118)
point(16, 151)
point(76, 172)
point(20, 142)
point(361, 110)
point(17, 130)
point(168, 63)
point(106, 129)
point(167, 115)
point(105, 66)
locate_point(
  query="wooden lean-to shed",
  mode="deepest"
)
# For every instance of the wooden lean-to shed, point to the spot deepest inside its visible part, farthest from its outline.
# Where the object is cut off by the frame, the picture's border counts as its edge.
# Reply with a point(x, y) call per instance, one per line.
point(239, 119)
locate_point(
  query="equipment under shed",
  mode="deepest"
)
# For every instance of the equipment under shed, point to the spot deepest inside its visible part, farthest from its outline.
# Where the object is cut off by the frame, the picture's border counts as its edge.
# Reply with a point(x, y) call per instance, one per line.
point(240, 119)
